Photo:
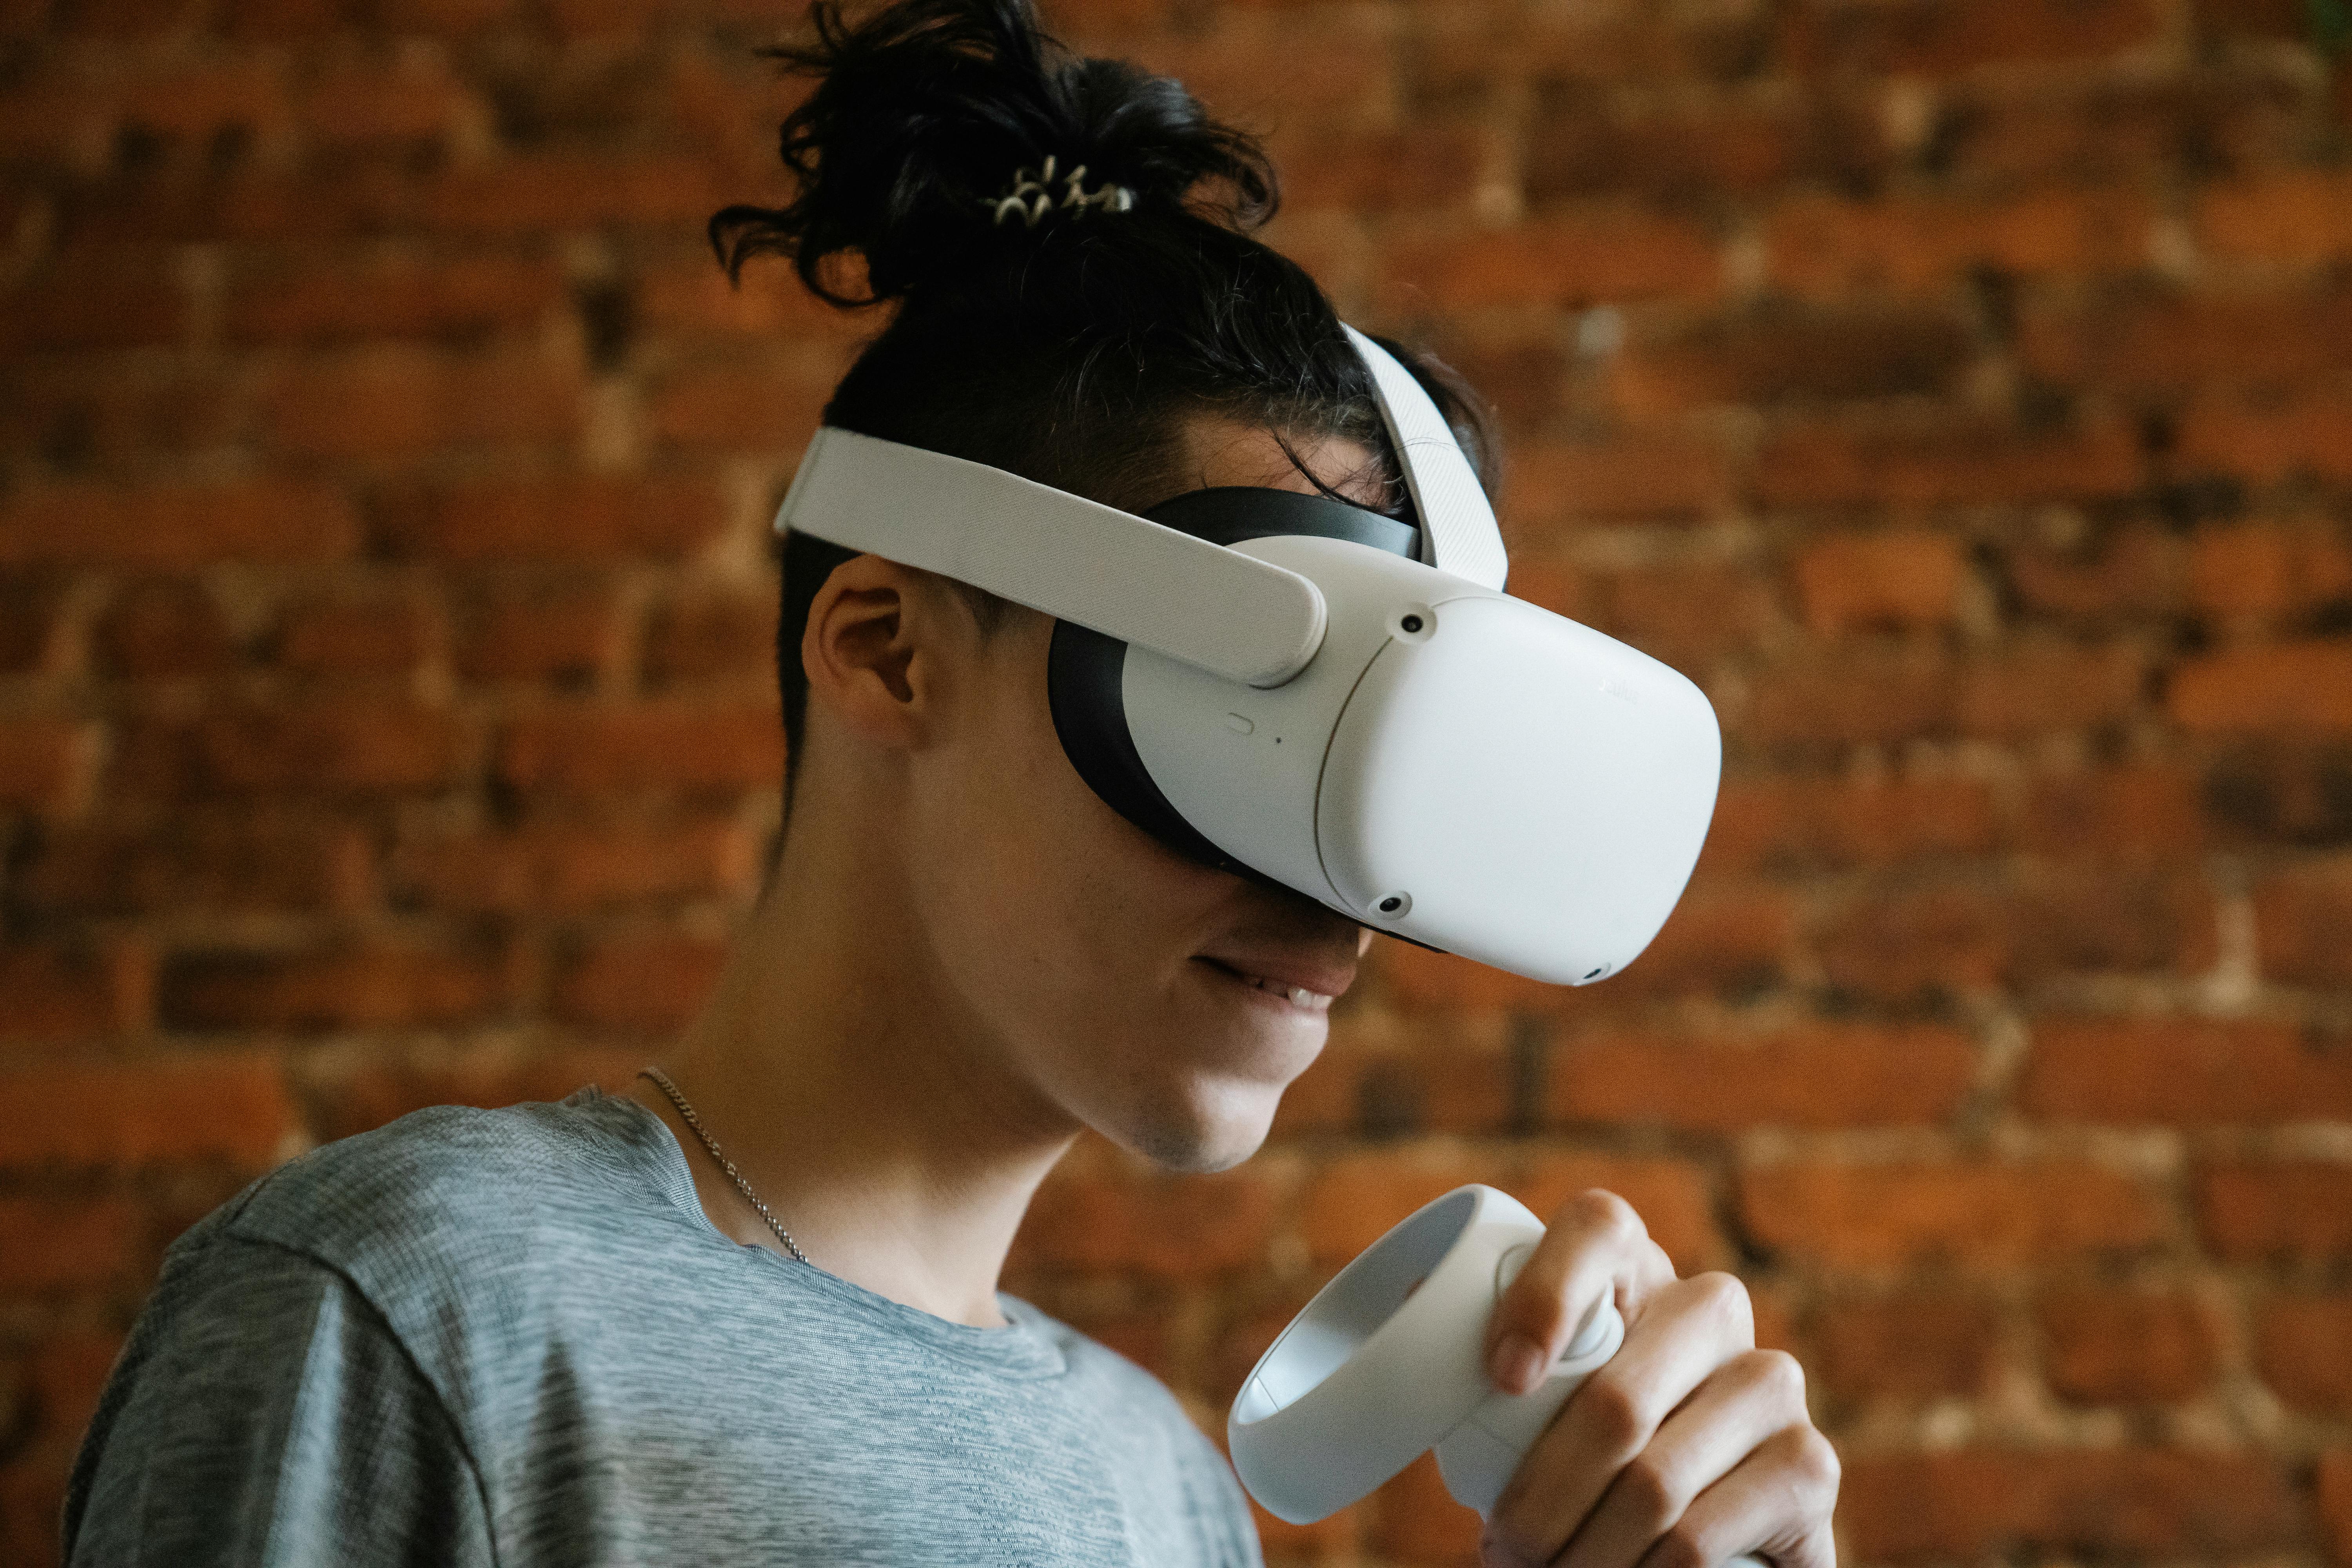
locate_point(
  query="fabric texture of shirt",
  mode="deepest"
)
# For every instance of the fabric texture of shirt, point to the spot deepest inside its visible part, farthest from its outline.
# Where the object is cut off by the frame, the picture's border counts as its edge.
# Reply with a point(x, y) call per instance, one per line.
point(512, 1337)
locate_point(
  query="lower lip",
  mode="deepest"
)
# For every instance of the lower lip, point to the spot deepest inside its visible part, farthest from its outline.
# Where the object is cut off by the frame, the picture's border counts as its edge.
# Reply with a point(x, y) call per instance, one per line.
point(1258, 994)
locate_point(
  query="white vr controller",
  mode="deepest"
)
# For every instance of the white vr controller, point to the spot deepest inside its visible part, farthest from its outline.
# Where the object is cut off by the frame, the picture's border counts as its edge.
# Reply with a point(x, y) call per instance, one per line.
point(1386, 1364)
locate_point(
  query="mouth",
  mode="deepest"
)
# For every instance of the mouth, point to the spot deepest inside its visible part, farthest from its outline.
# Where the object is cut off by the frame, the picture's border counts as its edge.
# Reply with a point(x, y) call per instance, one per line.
point(1277, 988)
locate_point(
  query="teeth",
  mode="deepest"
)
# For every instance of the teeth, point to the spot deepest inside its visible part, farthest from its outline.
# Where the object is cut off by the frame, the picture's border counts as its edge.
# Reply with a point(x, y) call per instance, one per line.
point(1299, 996)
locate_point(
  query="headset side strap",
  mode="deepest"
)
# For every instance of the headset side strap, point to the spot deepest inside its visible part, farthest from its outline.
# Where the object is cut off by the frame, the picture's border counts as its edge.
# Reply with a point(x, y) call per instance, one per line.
point(1458, 523)
point(1076, 560)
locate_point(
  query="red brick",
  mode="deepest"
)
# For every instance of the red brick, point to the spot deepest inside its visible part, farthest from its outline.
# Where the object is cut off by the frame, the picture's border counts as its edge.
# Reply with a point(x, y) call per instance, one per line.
point(58, 993)
point(398, 402)
point(2302, 916)
point(2182, 1073)
point(2279, 688)
point(2336, 1500)
point(1853, 698)
point(1723, 939)
point(1953, 464)
point(127, 18)
point(2069, 1502)
point(2299, 1345)
point(378, 1093)
point(571, 634)
point(32, 623)
point(1671, 1195)
point(2291, 216)
point(558, 518)
point(674, 747)
point(578, 869)
point(1909, 1348)
point(2179, 343)
point(2299, 438)
point(1940, 38)
point(2094, 919)
point(349, 988)
point(2284, 792)
point(1561, 260)
point(1828, 1075)
point(1635, 47)
point(336, 297)
point(2132, 571)
point(58, 1244)
point(1900, 946)
point(105, 302)
point(193, 862)
point(713, 637)
point(1787, 825)
point(99, 413)
point(694, 300)
point(32, 1501)
point(1762, 357)
point(2288, 1210)
point(319, 747)
point(1452, 1085)
point(1686, 615)
point(556, 192)
point(1877, 1218)
point(68, 1373)
point(175, 527)
point(47, 766)
point(650, 986)
point(1894, 580)
point(200, 101)
point(2042, 687)
point(155, 1111)
point(1385, 170)
point(414, 98)
point(1835, 248)
point(1415, 1519)
point(1580, 145)
point(2266, 570)
point(771, 409)
point(357, 636)
point(1102, 1213)
point(2145, 810)
point(161, 628)
point(2109, 1347)
point(1633, 475)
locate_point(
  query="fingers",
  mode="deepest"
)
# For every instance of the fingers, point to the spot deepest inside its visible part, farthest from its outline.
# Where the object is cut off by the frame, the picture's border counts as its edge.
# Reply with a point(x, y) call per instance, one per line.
point(1676, 1340)
point(1777, 1503)
point(1596, 1243)
point(1748, 1400)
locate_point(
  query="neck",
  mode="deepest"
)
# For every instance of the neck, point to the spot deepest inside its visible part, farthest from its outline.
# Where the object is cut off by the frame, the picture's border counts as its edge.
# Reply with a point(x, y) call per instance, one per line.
point(860, 1102)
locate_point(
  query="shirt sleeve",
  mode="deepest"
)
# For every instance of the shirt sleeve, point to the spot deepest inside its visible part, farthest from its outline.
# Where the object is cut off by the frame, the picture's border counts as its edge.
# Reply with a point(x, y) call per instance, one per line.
point(263, 1412)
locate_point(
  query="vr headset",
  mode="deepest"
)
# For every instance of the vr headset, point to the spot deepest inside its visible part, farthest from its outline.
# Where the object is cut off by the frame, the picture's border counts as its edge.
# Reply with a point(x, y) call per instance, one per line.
point(1346, 704)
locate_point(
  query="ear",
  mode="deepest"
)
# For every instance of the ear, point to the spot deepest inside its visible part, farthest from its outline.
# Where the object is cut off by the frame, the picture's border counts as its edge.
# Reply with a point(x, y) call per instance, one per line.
point(880, 648)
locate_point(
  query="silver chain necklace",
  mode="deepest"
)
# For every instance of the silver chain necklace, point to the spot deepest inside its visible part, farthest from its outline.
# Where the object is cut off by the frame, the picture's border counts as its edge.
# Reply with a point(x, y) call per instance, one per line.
point(662, 1083)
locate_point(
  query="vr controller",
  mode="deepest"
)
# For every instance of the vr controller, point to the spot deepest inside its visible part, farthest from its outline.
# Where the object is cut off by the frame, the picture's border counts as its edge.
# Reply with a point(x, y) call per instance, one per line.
point(1386, 1364)
point(1339, 702)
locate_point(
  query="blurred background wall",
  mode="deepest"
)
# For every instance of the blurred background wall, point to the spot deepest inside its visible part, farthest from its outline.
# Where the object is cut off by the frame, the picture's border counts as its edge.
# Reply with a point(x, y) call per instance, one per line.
point(1961, 392)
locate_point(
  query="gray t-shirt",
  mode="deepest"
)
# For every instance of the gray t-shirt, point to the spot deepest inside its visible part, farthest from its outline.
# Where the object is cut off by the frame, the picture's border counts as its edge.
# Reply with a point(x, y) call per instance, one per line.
point(512, 1337)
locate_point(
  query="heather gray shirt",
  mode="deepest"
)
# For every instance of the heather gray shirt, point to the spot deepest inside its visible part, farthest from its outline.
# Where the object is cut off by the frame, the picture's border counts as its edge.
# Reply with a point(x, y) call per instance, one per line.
point(512, 1337)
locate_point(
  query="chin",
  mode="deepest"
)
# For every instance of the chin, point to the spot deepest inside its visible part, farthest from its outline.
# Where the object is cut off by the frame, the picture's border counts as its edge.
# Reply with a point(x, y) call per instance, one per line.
point(1213, 1127)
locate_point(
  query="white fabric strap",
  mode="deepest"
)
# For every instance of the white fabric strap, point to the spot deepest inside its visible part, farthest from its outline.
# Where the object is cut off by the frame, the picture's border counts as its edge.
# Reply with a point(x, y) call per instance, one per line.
point(1074, 559)
point(1457, 524)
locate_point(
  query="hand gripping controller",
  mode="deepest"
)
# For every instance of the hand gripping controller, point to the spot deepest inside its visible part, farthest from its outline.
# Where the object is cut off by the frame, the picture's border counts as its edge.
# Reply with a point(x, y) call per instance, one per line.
point(1386, 1364)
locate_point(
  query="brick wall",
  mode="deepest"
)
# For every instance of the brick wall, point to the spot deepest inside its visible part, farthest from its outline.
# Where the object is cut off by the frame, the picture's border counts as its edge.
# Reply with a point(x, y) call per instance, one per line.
point(1961, 392)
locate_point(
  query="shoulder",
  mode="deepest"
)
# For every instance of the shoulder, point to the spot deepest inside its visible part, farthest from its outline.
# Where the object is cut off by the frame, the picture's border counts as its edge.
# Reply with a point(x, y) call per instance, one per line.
point(452, 1188)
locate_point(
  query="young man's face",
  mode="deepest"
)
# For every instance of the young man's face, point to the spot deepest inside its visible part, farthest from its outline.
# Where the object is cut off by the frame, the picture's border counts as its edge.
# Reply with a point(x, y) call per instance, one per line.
point(1163, 1004)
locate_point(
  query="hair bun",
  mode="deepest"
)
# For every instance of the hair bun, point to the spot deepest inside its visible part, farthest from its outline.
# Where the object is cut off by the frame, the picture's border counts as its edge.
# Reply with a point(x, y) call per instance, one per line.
point(927, 113)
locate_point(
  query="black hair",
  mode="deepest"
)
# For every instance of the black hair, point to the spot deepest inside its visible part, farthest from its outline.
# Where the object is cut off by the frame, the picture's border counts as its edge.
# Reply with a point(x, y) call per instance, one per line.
point(1069, 348)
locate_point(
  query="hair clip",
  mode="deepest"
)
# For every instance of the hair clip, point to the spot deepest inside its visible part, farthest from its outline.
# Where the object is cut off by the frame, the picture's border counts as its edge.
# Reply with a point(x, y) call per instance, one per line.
point(1033, 199)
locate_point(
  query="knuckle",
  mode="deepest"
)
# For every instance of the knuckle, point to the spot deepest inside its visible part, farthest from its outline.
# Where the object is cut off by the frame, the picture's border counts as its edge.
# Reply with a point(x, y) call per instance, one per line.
point(1816, 1459)
point(1505, 1542)
point(1610, 1215)
point(1650, 1494)
point(1776, 1374)
point(1614, 1414)
point(1680, 1547)
point(1725, 1297)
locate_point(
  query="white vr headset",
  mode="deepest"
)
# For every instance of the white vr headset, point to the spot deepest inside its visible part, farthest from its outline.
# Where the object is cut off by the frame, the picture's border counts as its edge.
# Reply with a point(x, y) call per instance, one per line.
point(1290, 686)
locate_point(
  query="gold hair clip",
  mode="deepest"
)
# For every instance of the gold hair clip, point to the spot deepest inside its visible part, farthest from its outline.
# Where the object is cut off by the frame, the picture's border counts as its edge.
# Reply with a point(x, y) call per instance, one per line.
point(1031, 196)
